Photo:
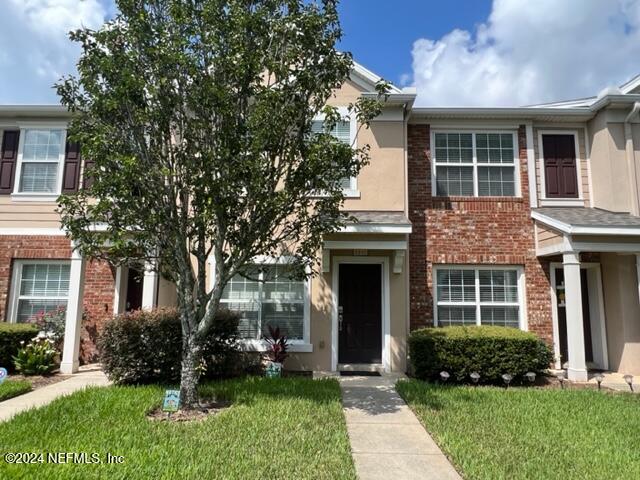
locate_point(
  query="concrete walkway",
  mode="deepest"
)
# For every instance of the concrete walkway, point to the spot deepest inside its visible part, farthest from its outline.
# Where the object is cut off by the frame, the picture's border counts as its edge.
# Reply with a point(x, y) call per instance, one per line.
point(89, 375)
point(387, 440)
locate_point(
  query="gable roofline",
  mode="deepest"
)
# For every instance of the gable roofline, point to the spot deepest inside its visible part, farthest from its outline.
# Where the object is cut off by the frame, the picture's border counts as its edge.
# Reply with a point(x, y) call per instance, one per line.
point(367, 79)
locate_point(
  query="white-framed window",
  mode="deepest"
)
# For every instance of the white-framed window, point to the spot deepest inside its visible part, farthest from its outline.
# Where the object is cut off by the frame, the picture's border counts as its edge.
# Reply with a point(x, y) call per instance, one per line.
point(40, 162)
point(345, 131)
point(475, 164)
point(268, 295)
point(38, 286)
point(479, 295)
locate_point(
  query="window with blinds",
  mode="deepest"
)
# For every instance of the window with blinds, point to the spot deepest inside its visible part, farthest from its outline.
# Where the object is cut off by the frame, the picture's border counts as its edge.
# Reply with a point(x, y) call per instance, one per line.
point(341, 131)
point(478, 296)
point(474, 164)
point(268, 297)
point(41, 287)
point(40, 163)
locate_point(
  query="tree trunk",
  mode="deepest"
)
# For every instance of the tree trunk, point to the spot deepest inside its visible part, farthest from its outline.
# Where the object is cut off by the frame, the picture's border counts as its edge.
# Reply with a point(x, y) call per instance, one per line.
point(189, 374)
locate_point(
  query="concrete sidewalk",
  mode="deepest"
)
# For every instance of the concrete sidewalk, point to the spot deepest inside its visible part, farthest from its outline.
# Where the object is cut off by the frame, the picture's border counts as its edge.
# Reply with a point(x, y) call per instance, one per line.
point(89, 375)
point(387, 440)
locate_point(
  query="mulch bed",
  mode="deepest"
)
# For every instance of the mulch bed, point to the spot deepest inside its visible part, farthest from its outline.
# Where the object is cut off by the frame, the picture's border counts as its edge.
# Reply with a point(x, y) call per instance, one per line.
point(39, 381)
point(205, 410)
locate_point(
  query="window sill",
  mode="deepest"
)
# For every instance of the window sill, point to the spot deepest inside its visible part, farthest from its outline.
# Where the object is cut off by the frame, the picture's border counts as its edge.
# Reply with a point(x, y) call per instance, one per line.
point(34, 197)
point(441, 198)
point(561, 202)
point(352, 193)
point(261, 346)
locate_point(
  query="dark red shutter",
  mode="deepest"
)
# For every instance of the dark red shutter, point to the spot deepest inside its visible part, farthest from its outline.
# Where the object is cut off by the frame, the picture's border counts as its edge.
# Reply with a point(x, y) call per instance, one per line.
point(560, 170)
point(8, 158)
point(71, 174)
point(87, 178)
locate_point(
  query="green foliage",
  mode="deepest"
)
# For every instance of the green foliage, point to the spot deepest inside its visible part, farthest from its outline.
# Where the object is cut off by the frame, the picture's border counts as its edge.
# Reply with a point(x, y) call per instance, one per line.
point(146, 347)
point(288, 428)
point(525, 433)
point(38, 357)
point(12, 337)
point(490, 351)
point(12, 388)
point(52, 324)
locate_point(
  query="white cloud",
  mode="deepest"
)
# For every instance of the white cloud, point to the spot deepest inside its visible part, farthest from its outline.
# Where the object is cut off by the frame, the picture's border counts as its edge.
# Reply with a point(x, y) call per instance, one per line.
point(531, 51)
point(35, 50)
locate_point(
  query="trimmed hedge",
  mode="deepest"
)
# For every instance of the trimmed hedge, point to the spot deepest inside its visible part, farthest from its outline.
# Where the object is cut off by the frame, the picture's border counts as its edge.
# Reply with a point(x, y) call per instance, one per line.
point(490, 351)
point(11, 334)
point(146, 347)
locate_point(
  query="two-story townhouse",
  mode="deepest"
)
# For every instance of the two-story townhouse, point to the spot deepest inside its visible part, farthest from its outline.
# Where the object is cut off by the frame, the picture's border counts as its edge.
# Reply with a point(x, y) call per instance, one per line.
point(353, 315)
point(528, 217)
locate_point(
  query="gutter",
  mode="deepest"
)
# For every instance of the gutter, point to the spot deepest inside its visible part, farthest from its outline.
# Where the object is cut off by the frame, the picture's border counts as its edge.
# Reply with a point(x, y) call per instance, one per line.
point(631, 159)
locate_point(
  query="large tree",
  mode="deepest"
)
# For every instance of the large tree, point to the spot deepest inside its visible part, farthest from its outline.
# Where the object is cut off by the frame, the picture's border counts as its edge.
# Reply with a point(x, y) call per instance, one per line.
point(197, 118)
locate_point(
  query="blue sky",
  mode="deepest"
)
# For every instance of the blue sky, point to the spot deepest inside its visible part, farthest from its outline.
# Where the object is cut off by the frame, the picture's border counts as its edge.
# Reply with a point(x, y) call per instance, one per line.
point(454, 52)
point(381, 34)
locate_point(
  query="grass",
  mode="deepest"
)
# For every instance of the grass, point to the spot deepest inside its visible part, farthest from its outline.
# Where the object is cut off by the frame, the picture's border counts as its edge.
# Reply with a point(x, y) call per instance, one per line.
point(524, 433)
point(291, 428)
point(13, 388)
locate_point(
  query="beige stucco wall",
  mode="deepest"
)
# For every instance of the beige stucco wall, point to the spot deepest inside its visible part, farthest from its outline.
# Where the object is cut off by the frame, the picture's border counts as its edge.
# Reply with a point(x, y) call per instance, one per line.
point(581, 155)
point(609, 167)
point(622, 311)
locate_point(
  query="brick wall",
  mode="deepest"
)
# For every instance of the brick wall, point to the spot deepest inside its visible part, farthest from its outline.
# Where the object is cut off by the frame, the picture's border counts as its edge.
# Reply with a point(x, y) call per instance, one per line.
point(463, 230)
point(99, 282)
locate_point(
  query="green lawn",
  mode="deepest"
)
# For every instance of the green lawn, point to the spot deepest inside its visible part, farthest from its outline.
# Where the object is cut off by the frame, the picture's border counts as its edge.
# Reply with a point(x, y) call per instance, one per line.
point(290, 428)
point(525, 433)
point(13, 388)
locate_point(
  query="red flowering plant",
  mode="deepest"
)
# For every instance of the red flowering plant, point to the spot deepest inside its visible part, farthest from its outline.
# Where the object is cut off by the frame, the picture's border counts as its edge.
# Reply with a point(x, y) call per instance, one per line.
point(277, 345)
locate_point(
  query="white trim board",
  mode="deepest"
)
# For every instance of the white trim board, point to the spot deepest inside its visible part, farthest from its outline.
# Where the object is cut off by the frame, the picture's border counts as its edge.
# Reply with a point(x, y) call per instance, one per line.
point(386, 307)
point(376, 228)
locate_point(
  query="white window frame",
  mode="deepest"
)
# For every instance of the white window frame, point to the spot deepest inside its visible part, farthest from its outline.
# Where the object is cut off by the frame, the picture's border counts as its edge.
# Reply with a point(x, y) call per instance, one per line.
point(16, 279)
point(17, 195)
point(559, 202)
point(352, 191)
point(298, 345)
point(522, 314)
point(473, 131)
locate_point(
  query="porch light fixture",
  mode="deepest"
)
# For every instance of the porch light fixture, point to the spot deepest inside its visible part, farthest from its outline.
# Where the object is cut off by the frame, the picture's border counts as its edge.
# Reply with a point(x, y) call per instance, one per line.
point(599, 378)
point(531, 376)
point(506, 378)
point(561, 379)
point(475, 377)
point(629, 380)
point(444, 376)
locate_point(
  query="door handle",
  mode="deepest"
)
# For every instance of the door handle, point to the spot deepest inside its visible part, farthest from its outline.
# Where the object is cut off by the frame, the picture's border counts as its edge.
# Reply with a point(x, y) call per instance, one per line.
point(340, 322)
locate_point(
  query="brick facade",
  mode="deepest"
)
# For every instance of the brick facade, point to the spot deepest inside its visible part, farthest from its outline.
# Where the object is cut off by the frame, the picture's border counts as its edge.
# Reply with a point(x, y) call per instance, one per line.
point(467, 230)
point(99, 282)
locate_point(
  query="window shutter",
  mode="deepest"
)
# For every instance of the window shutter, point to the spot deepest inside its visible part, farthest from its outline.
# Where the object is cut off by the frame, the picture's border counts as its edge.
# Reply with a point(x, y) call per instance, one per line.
point(8, 158)
point(71, 171)
point(87, 179)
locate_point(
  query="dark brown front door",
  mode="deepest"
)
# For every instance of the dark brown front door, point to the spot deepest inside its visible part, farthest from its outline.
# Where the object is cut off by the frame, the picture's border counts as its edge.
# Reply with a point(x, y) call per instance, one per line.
point(134, 290)
point(562, 317)
point(560, 172)
point(360, 305)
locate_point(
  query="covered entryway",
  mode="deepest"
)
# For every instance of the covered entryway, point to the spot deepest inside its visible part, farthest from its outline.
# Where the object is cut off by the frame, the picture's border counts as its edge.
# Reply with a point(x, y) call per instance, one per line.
point(595, 287)
point(360, 313)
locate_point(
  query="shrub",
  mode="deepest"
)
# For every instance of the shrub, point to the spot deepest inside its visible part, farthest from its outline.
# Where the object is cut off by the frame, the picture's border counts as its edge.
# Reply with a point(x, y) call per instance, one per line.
point(11, 334)
point(490, 351)
point(52, 324)
point(38, 357)
point(146, 347)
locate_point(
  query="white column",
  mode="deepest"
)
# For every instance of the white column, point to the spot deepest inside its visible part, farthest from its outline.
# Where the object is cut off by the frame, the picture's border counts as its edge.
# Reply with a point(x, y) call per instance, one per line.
point(71, 349)
point(575, 327)
point(120, 290)
point(150, 287)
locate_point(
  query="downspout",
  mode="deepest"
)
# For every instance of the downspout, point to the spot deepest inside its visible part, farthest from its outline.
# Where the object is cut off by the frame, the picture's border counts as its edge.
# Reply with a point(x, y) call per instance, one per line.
point(631, 160)
point(407, 286)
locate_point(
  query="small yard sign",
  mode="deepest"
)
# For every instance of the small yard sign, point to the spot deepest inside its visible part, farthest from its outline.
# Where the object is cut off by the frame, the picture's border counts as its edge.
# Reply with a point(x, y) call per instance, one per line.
point(171, 401)
point(3, 374)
